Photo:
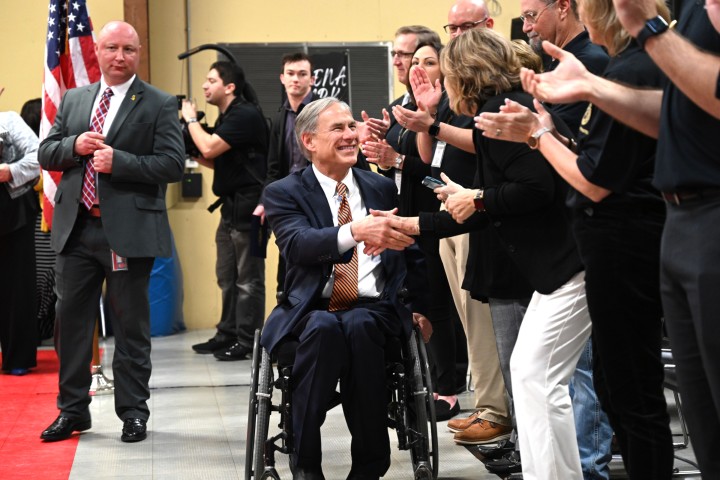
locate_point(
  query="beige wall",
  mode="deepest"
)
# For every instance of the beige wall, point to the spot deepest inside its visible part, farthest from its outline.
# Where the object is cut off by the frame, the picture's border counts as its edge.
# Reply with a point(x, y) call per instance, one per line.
point(213, 21)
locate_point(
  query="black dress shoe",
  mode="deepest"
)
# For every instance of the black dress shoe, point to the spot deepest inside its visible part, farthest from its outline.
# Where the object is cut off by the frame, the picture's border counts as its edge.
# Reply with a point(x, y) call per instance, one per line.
point(443, 410)
point(234, 353)
point(134, 430)
point(305, 473)
point(63, 427)
point(212, 345)
point(506, 465)
point(502, 448)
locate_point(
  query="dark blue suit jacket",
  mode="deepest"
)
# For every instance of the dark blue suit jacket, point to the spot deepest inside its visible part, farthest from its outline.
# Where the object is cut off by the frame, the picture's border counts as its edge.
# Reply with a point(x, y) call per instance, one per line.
point(300, 217)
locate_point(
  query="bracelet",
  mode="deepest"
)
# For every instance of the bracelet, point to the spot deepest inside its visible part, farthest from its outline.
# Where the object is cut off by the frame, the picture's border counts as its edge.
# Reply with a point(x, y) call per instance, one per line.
point(572, 145)
point(399, 161)
point(192, 120)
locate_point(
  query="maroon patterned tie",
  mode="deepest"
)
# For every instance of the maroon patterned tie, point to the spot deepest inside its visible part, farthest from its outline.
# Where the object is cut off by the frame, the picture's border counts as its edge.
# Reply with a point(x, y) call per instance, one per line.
point(345, 288)
point(96, 125)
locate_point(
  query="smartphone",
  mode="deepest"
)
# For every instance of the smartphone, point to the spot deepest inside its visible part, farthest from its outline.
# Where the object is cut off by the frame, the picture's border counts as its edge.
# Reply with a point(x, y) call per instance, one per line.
point(433, 183)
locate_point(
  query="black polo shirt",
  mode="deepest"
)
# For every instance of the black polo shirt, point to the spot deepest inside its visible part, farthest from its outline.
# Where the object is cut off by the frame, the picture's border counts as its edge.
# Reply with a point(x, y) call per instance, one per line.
point(595, 60)
point(612, 155)
point(688, 155)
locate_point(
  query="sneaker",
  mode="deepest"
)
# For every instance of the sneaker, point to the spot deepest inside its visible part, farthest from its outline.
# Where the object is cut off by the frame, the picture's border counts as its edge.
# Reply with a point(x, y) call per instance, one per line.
point(482, 431)
point(443, 410)
point(506, 465)
point(234, 353)
point(212, 345)
point(496, 451)
point(460, 424)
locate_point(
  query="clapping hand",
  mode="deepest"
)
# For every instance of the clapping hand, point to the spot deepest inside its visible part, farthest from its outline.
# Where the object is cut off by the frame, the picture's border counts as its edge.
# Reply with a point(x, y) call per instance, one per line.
point(566, 84)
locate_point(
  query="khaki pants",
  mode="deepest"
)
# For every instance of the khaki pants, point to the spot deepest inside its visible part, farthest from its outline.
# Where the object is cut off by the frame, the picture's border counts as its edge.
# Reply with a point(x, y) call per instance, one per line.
point(475, 317)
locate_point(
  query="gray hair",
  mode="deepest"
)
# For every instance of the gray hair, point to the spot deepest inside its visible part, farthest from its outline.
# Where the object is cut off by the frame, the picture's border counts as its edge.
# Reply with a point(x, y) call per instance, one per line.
point(306, 121)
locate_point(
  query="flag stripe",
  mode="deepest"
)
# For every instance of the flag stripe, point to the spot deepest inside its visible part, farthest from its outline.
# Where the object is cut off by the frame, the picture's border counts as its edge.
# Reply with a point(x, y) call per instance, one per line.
point(70, 62)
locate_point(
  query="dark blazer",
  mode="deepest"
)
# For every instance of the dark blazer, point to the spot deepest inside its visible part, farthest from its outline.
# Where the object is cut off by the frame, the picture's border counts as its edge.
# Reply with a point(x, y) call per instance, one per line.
point(300, 216)
point(277, 167)
point(148, 154)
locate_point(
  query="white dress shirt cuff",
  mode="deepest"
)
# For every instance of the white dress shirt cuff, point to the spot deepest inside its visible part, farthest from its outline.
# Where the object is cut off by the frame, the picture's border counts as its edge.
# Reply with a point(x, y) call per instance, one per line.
point(345, 240)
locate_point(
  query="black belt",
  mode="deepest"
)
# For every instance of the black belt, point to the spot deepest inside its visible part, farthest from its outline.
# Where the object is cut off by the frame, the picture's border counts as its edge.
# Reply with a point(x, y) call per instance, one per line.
point(324, 303)
point(684, 196)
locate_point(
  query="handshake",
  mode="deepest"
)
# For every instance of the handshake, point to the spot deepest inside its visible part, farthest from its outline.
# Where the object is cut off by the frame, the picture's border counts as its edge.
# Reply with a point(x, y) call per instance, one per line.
point(383, 230)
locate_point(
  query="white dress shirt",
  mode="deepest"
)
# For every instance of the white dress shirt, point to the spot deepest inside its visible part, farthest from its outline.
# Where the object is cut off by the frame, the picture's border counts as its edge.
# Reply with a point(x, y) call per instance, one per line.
point(371, 281)
point(116, 100)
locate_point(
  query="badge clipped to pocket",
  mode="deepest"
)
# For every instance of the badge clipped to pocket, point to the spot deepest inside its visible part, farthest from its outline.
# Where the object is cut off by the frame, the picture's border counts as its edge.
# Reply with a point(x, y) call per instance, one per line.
point(119, 264)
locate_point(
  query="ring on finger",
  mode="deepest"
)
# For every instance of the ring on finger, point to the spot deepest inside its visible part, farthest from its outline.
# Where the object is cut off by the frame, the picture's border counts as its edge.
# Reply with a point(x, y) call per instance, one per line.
point(498, 132)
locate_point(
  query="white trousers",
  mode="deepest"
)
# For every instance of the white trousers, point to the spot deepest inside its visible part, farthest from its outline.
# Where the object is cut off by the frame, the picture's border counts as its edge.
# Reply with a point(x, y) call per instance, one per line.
point(552, 336)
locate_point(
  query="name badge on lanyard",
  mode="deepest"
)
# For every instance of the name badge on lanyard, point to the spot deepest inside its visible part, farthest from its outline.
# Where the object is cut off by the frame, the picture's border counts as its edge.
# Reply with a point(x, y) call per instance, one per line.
point(438, 156)
point(398, 179)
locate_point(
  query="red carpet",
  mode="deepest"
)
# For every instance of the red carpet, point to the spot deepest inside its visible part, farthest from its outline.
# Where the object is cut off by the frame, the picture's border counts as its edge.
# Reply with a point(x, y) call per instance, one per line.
point(27, 407)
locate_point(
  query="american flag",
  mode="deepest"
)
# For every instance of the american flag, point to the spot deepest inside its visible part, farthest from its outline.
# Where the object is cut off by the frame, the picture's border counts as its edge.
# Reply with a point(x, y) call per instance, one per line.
point(70, 62)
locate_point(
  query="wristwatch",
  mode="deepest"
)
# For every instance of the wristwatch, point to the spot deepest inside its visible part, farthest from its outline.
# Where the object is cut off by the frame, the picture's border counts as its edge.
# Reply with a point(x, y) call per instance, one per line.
point(434, 129)
point(534, 139)
point(654, 26)
point(479, 200)
point(192, 120)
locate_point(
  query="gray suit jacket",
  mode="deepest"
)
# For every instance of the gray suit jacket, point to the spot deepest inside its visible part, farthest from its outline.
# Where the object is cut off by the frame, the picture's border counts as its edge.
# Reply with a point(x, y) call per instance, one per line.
point(148, 154)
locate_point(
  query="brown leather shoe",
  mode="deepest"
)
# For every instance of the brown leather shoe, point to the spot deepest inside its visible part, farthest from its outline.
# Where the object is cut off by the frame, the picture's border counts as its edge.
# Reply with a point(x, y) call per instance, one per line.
point(482, 431)
point(460, 424)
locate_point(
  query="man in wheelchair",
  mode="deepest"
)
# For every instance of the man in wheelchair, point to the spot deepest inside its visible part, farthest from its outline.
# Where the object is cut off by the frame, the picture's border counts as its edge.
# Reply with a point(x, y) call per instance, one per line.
point(345, 269)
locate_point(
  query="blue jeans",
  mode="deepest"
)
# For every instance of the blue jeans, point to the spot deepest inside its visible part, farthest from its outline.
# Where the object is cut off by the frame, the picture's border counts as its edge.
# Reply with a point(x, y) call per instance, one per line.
point(594, 434)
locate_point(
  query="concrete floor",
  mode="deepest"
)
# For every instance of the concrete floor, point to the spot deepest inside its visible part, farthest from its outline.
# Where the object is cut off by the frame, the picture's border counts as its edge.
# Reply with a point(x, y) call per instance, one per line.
point(198, 420)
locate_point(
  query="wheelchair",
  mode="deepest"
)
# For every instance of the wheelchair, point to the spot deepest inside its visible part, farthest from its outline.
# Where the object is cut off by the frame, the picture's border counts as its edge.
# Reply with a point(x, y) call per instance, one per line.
point(411, 410)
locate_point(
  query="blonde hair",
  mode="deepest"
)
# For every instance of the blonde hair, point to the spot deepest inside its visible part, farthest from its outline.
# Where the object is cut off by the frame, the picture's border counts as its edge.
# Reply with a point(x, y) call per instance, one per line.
point(527, 56)
point(600, 16)
point(478, 65)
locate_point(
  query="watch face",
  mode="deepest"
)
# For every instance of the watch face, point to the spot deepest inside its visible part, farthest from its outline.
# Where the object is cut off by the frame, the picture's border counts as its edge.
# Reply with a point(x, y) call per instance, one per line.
point(657, 24)
point(434, 129)
point(532, 142)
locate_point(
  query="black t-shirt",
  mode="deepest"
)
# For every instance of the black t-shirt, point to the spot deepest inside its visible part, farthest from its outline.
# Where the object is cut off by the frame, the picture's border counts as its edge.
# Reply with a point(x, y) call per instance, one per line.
point(594, 58)
point(457, 164)
point(612, 155)
point(243, 127)
point(688, 156)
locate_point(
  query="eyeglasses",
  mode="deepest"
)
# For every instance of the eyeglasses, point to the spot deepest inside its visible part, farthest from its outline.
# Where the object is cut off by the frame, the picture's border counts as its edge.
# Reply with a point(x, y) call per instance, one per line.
point(400, 54)
point(531, 18)
point(450, 28)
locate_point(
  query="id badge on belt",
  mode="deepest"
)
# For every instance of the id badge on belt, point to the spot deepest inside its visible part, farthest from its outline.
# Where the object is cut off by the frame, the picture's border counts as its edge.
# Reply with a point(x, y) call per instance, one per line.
point(119, 264)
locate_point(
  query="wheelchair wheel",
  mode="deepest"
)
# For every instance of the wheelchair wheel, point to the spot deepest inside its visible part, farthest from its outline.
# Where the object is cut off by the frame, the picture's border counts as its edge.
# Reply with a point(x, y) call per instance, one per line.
point(259, 410)
point(424, 452)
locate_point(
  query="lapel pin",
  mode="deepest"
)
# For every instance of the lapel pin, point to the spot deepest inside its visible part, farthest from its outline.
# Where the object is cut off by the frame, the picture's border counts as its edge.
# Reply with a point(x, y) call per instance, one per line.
point(132, 98)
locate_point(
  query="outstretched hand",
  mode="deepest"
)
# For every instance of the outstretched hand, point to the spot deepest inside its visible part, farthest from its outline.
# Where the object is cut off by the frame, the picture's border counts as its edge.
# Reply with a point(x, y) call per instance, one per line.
point(377, 128)
point(514, 122)
point(416, 121)
point(378, 234)
point(567, 83)
point(406, 225)
point(423, 90)
point(379, 152)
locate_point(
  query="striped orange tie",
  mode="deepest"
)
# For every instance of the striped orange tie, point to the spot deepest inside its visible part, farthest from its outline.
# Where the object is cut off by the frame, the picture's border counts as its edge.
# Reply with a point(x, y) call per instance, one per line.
point(345, 288)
